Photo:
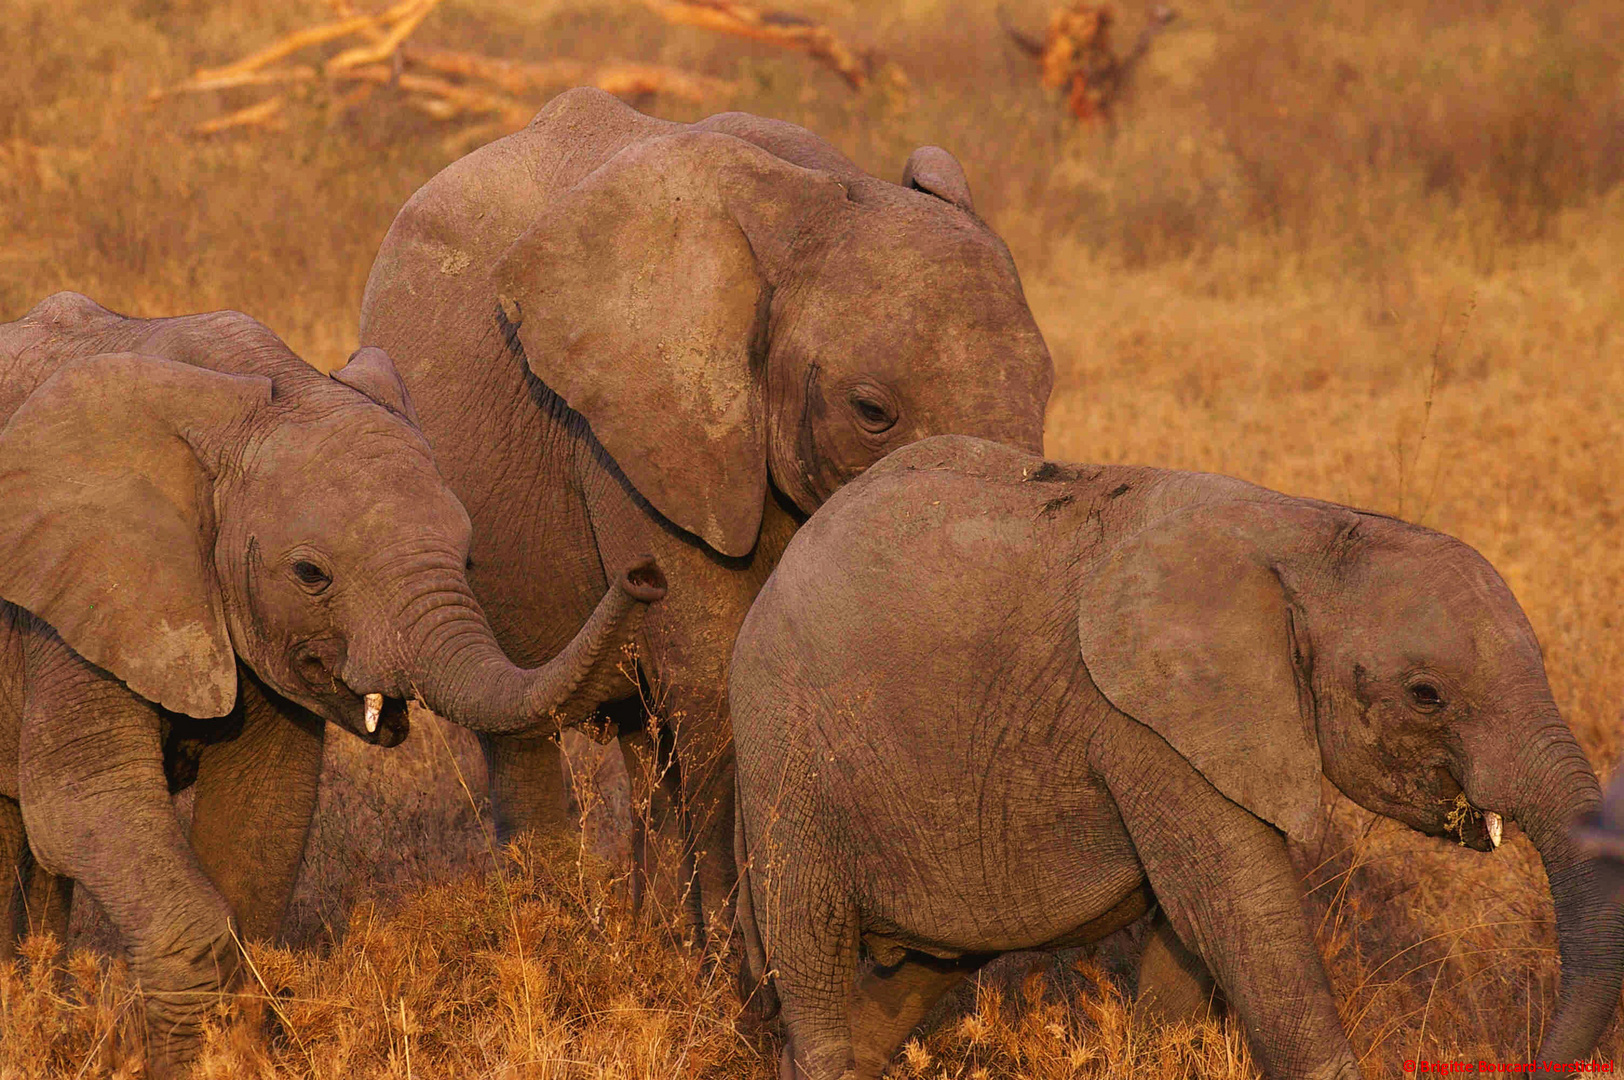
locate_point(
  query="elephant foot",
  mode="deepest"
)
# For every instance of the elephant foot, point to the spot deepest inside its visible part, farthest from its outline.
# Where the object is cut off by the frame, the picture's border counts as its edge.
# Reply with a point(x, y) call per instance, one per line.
point(182, 992)
point(789, 1070)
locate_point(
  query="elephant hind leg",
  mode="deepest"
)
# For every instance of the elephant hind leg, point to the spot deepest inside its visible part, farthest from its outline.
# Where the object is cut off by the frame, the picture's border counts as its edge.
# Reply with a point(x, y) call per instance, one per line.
point(891, 1002)
point(1174, 985)
point(814, 960)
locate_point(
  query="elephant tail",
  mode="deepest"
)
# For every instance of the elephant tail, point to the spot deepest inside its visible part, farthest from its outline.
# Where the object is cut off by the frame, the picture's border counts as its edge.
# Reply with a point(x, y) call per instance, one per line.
point(755, 988)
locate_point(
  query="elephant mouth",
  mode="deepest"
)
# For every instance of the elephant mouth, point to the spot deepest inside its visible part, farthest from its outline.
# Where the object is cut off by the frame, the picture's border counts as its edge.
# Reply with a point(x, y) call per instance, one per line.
point(378, 718)
point(1471, 827)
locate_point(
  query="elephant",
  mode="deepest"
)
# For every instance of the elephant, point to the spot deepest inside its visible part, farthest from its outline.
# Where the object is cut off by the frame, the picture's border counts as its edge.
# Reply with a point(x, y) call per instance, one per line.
point(212, 550)
point(1601, 835)
point(623, 333)
point(988, 702)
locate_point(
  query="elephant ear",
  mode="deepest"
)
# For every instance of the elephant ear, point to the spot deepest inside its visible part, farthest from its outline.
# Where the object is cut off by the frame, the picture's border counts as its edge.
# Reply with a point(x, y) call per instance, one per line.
point(640, 297)
point(107, 520)
point(936, 172)
point(1187, 627)
point(370, 371)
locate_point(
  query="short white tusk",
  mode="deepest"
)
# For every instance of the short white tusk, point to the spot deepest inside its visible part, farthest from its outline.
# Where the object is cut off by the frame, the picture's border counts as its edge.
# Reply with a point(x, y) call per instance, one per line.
point(375, 708)
point(1492, 822)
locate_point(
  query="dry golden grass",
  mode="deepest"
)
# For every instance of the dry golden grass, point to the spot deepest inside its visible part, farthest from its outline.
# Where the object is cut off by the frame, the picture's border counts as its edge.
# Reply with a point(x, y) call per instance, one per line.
point(1363, 252)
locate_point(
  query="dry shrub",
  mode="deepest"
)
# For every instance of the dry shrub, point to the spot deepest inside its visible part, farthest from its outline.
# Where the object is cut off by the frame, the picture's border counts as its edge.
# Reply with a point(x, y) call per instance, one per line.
point(529, 968)
point(1061, 1021)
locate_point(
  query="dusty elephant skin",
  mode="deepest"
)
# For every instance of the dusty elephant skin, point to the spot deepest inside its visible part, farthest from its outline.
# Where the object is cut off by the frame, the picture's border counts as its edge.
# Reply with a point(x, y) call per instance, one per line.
point(212, 550)
point(988, 702)
point(624, 334)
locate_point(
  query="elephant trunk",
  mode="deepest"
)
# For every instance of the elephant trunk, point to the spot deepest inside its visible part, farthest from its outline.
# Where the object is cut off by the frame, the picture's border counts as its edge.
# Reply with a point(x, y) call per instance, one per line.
point(463, 675)
point(1555, 788)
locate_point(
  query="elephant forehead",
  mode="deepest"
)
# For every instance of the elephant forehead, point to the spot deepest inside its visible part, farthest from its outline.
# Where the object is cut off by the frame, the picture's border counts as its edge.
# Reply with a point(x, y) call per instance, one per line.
point(378, 472)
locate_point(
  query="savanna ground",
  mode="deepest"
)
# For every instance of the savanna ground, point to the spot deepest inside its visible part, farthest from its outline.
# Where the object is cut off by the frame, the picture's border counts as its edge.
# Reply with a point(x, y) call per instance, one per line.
point(1363, 252)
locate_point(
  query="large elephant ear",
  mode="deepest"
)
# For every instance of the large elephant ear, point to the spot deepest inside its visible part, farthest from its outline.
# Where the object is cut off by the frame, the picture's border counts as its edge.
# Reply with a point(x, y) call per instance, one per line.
point(1187, 627)
point(640, 296)
point(107, 520)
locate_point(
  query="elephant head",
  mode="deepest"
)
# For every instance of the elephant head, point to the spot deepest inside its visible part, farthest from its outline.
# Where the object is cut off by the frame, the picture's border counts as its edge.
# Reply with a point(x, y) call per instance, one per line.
point(1272, 642)
point(169, 520)
point(735, 305)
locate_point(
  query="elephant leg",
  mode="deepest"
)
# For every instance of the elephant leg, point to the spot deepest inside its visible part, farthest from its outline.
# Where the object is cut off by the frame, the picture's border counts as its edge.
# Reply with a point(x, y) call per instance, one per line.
point(46, 898)
point(891, 1002)
point(808, 925)
point(33, 900)
point(256, 794)
point(527, 786)
point(96, 806)
point(1229, 890)
point(1174, 985)
point(14, 884)
point(705, 773)
point(815, 971)
point(662, 864)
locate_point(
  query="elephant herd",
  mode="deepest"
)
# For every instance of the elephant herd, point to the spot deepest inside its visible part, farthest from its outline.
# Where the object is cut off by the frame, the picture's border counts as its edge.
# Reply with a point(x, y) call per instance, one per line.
point(706, 407)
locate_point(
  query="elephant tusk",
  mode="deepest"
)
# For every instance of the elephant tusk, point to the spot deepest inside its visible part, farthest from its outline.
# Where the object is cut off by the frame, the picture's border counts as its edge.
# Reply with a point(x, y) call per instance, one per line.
point(374, 703)
point(1493, 823)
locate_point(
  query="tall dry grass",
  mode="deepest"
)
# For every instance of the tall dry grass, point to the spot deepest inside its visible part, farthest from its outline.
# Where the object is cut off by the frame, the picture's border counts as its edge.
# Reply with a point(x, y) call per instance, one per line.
point(1363, 252)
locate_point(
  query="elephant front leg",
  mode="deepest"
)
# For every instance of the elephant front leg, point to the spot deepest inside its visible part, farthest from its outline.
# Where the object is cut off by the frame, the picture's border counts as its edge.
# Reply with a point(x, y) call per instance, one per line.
point(704, 773)
point(1229, 891)
point(96, 805)
point(256, 795)
point(662, 865)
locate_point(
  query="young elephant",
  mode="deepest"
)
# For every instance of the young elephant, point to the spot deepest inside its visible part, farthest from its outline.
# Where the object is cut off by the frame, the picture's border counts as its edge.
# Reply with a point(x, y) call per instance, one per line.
point(987, 702)
point(209, 550)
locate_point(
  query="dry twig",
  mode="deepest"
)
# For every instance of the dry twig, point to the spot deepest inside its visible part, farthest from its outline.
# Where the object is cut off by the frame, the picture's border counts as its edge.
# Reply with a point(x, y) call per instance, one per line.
point(856, 66)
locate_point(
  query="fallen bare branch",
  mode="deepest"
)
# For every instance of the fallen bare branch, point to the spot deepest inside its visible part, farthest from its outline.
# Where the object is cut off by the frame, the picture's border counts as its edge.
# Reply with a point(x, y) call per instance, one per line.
point(774, 28)
point(381, 50)
point(304, 39)
point(260, 114)
point(449, 84)
point(274, 77)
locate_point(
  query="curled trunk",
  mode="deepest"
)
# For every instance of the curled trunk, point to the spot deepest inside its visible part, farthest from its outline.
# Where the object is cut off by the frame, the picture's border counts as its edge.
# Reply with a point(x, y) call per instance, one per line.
point(464, 676)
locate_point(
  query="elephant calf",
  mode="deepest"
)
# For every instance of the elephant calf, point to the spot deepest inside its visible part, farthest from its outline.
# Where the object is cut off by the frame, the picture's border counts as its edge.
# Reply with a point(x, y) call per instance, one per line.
point(988, 702)
point(207, 550)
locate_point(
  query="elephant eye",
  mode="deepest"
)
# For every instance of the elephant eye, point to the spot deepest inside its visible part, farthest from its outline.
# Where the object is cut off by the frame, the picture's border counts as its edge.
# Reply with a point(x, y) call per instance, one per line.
point(871, 414)
point(1425, 696)
point(311, 576)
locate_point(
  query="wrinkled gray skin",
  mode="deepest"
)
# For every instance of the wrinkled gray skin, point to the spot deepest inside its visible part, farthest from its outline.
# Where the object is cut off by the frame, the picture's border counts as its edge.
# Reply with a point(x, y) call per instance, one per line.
point(989, 703)
point(1601, 835)
point(212, 549)
point(624, 334)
